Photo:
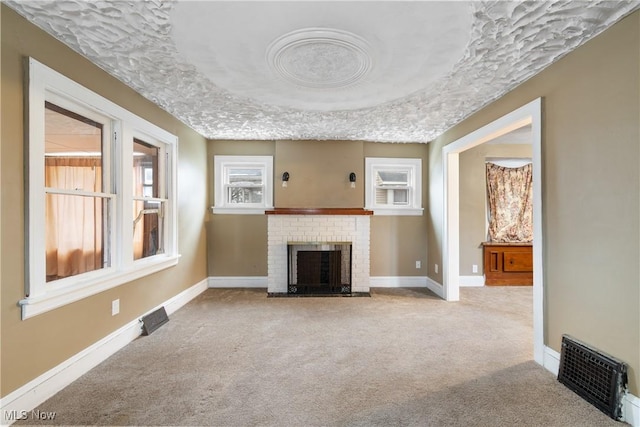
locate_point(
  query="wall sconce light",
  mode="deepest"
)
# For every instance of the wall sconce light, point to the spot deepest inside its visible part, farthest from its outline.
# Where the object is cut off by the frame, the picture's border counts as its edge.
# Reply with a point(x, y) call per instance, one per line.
point(352, 179)
point(285, 179)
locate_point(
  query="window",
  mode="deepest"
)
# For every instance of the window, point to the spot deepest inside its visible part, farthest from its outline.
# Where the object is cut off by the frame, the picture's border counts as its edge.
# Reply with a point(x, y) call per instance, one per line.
point(149, 199)
point(393, 186)
point(78, 198)
point(243, 184)
point(81, 237)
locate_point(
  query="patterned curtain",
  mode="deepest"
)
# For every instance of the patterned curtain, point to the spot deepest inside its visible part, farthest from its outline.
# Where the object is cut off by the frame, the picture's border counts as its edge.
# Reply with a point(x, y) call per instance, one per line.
point(510, 203)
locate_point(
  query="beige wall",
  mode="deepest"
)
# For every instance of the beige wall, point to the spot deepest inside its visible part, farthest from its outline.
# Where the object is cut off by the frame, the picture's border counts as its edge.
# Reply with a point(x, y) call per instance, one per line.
point(473, 197)
point(319, 172)
point(397, 242)
point(33, 346)
point(590, 191)
point(237, 244)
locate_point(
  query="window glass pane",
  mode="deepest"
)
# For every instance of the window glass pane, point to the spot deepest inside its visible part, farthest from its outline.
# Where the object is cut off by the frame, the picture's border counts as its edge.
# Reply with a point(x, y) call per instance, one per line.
point(392, 196)
point(73, 150)
point(400, 196)
point(244, 176)
point(145, 169)
point(75, 230)
point(392, 178)
point(244, 194)
point(148, 226)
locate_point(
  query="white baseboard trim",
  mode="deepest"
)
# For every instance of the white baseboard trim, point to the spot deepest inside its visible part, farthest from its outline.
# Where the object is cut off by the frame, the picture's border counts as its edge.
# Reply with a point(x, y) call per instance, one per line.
point(471, 281)
point(630, 403)
point(238, 282)
point(631, 410)
point(38, 390)
point(177, 302)
point(551, 360)
point(398, 281)
point(435, 287)
point(374, 282)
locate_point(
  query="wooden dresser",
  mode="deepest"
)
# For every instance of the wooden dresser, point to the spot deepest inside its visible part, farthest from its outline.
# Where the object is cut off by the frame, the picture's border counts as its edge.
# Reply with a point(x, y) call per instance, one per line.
point(508, 264)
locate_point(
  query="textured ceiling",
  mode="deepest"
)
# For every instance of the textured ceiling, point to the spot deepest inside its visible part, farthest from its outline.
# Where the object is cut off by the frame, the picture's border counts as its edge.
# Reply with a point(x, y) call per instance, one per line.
point(380, 71)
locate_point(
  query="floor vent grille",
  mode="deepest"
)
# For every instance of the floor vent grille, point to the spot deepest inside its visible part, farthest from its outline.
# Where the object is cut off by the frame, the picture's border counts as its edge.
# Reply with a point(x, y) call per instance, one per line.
point(596, 377)
point(154, 320)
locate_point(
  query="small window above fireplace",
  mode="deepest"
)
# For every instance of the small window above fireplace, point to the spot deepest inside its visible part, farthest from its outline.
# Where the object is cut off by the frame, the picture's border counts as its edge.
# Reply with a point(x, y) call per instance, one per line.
point(393, 186)
point(243, 184)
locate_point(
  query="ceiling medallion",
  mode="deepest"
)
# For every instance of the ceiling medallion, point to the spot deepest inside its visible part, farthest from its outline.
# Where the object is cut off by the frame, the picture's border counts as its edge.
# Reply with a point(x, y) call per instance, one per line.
point(320, 58)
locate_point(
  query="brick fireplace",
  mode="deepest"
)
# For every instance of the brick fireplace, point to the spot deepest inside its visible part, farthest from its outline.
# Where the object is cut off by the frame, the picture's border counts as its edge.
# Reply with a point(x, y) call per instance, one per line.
point(317, 227)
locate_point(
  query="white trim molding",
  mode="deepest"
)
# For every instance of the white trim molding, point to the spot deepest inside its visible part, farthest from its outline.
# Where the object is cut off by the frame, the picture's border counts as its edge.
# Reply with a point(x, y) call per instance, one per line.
point(374, 282)
point(120, 129)
point(238, 282)
point(631, 410)
point(435, 287)
point(38, 390)
point(413, 169)
point(407, 282)
point(551, 360)
point(630, 403)
point(33, 306)
point(398, 281)
point(223, 165)
point(529, 114)
point(471, 281)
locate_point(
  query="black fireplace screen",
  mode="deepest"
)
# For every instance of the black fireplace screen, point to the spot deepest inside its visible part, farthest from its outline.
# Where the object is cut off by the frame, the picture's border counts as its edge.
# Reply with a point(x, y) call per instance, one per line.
point(319, 268)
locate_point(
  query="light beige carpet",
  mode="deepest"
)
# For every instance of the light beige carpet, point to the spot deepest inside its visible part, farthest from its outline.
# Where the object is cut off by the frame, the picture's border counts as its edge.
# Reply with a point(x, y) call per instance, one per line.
point(400, 358)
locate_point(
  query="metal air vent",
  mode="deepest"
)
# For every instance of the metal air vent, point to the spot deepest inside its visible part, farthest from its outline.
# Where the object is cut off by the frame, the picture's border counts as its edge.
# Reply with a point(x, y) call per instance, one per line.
point(595, 376)
point(154, 320)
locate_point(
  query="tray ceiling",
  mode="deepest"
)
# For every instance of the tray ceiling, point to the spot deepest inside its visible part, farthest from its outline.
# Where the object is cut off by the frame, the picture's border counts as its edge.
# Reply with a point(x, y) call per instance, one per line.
point(381, 71)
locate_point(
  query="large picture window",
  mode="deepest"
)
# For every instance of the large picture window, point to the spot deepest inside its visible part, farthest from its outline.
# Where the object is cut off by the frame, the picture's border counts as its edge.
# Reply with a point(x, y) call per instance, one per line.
point(81, 237)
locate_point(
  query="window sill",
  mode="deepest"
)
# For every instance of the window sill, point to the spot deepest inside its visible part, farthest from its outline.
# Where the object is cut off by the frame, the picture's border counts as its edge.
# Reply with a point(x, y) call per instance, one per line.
point(397, 211)
point(239, 211)
point(33, 306)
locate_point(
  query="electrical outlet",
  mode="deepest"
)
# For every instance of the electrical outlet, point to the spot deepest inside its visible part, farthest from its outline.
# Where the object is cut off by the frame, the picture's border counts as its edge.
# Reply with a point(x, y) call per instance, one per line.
point(418, 264)
point(115, 307)
point(474, 268)
point(436, 268)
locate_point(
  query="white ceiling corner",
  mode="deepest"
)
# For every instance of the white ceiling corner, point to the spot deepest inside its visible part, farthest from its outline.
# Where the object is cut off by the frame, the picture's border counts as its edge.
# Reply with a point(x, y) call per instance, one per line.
point(383, 71)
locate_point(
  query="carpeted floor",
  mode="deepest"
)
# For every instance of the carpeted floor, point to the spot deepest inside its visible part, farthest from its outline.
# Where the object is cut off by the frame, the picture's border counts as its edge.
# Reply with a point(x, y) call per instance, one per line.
point(403, 357)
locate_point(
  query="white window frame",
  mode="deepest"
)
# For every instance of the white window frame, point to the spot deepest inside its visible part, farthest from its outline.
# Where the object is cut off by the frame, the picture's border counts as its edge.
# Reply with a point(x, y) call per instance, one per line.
point(222, 164)
point(166, 194)
point(45, 84)
point(411, 165)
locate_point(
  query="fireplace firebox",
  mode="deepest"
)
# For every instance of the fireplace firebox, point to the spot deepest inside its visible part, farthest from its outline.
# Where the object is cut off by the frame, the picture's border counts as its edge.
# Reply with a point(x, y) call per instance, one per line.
point(319, 268)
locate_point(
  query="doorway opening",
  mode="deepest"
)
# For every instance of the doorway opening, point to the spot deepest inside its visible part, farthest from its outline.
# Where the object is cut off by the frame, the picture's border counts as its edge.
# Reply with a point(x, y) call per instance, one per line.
point(527, 115)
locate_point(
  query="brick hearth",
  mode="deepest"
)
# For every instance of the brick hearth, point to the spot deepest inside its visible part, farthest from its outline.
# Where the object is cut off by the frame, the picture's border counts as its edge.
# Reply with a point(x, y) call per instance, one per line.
point(314, 226)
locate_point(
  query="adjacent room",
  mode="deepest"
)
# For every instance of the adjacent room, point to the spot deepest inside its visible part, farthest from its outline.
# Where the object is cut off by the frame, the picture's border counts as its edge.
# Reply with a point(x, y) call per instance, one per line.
point(320, 213)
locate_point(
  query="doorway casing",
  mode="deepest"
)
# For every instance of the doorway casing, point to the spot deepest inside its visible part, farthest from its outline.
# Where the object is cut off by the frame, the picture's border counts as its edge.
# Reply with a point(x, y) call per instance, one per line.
point(529, 114)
